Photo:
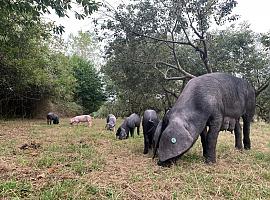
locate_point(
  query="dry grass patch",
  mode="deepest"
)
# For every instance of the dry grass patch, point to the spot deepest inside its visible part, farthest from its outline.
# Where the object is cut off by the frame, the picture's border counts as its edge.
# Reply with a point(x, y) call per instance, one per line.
point(38, 161)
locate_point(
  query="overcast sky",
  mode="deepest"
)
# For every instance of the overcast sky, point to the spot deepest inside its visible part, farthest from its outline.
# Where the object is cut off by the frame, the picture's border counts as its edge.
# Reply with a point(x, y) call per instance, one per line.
point(256, 12)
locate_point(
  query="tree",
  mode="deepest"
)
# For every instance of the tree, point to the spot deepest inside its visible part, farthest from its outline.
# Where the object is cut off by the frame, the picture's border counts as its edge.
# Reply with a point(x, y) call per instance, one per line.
point(30, 12)
point(189, 47)
point(86, 46)
point(89, 89)
point(135, 86)
point(238, 50)
point(30, 70)
point(147, 35)
point(84, 60)
point(173, 23)
point(263, 92)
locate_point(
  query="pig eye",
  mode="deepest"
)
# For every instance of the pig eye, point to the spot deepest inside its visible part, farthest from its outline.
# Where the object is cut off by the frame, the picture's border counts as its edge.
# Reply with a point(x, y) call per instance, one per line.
point(173, 140)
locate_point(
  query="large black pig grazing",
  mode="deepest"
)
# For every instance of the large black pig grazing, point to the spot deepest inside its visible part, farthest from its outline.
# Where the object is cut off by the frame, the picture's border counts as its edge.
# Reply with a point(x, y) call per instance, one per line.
point(149, 124)
point(129, 125)
point(206, 101)
point(51, 117)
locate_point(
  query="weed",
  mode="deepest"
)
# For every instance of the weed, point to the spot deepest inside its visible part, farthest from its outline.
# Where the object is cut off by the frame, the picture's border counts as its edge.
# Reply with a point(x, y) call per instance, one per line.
point(45, 161)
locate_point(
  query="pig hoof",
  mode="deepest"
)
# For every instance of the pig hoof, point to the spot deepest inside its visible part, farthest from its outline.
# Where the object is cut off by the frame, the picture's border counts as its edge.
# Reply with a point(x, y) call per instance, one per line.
point(240, 148)
point(164, 163)
point(210, 162)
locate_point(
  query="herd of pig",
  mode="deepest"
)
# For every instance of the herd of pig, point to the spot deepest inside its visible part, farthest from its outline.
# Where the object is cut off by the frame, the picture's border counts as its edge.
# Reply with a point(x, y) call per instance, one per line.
point(52, 117)
point(207, 105)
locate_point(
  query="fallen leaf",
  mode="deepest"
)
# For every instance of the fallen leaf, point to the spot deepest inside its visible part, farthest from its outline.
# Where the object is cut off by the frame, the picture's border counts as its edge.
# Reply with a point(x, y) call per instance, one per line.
point(51, 170)
point(40, 176)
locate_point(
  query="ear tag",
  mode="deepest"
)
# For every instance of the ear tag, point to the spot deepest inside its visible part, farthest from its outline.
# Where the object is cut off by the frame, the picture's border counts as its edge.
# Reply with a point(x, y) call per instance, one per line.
point(173, 140)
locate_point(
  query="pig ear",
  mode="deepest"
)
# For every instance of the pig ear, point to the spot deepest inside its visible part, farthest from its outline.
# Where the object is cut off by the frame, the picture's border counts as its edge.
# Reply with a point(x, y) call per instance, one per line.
point(173, 143)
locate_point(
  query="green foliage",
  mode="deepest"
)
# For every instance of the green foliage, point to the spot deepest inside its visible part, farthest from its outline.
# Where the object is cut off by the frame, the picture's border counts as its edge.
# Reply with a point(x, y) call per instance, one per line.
point(156, 41)
point(263, 104)
point(173, 40)
point(31, 71)
point(23, 65)
point(172, 23)
point(265, 39)
point(134, 86)
point(89, 90)
point(30, 12)
point(236, 50)
point(84, 45)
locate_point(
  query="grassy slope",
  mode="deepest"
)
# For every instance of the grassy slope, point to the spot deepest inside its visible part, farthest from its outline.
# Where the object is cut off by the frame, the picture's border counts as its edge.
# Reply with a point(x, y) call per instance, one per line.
point(67, 162)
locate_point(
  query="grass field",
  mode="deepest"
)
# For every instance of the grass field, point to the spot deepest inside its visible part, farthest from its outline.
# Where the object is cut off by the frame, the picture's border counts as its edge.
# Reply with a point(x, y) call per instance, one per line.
point(38, 161)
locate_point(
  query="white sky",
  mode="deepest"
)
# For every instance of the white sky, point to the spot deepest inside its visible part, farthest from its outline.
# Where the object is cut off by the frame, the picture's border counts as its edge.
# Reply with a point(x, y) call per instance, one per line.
point(256, 12)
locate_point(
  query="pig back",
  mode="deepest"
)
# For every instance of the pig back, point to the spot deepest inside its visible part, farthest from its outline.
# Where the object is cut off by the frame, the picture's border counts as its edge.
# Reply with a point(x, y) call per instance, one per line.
point(217, 93)
point(83, 118)
point(111, 120)
point(150, 115)
point(150, 119)
point(133, 120)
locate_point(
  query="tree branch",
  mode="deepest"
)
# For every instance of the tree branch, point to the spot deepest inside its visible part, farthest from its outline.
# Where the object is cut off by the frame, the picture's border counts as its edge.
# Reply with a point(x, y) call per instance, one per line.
point(187, 75)
point(193, 28)
point(170, 92)
point(166, 73)
point(175, 56)
point(262, 87)
point(161, 40)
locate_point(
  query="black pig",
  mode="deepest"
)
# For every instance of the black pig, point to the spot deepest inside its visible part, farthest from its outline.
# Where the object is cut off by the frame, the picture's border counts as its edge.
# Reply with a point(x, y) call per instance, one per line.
point(51, 117)
point(206, 101)
point(149, 124)
point(129, 125)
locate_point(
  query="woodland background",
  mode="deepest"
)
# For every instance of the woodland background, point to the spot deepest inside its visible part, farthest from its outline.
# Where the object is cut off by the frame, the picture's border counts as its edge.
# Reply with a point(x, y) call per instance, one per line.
point(151, 49)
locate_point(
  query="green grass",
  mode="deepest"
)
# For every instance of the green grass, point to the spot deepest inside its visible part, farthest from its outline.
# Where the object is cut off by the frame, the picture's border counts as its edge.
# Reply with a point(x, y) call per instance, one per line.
point(15, 189)
point(89, 163)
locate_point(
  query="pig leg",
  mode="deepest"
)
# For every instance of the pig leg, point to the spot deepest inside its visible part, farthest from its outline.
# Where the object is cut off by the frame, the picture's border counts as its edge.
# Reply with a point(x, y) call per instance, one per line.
point(232, 124)
point(127, 132)
point(132, 132)
point(151, 140)
point(204, 141)
point(138, 130)
point(89, 123)
point(211, 141)
point(238, 135)
point(246, 132)
point(146, 144)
